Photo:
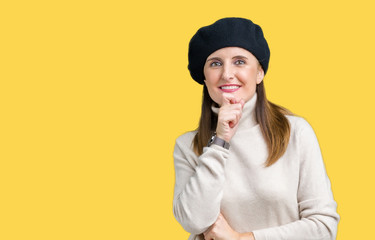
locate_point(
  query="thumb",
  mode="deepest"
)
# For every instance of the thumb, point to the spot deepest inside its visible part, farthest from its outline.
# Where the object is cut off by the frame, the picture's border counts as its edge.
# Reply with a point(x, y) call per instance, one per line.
point(227, 99)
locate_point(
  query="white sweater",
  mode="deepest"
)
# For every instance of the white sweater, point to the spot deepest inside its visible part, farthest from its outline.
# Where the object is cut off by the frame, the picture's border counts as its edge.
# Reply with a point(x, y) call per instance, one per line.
point(292, 199)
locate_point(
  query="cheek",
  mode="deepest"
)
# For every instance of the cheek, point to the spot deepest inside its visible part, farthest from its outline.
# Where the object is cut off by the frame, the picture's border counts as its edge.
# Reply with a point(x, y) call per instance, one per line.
point(212, 90)
point(211, 76)
point(248, 77)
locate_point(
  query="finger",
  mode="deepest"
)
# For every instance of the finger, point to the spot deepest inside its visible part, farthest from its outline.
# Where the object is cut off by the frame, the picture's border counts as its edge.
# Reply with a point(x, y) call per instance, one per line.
point(236, 106)
point(235, 118)
point(227, 97)
point(234, 100)
point(230, 118)
point(207, 235)
point(242, 102)
point(208, 231)
point(239, 115)
point(231, 107)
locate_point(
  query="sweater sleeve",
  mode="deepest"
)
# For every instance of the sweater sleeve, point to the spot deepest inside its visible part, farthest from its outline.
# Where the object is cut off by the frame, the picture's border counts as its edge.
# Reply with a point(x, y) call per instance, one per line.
point(199, 185)
point(317, 208)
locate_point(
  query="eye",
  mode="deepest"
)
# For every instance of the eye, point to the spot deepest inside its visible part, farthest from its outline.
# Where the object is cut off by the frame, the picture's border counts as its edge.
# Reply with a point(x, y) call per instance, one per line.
point(215, 64)
point(239, 62)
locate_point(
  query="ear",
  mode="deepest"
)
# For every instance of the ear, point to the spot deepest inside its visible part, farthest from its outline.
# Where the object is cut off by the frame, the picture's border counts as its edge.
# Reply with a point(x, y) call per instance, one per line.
point(260, 74)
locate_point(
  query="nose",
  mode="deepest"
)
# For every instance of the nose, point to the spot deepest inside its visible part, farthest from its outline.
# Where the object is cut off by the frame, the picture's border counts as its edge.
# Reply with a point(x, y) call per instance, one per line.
point(228, 73)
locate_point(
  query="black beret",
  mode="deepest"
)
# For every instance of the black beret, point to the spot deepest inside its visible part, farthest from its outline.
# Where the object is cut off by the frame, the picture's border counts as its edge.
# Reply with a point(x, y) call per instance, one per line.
point(226, 32)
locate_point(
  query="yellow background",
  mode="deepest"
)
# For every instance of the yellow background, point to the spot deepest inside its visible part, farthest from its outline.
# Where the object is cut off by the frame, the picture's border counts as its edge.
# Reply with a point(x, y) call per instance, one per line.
point(94, 94)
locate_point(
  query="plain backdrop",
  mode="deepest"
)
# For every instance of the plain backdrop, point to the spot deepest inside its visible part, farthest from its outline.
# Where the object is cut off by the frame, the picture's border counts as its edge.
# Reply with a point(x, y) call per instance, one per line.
point(93, 95)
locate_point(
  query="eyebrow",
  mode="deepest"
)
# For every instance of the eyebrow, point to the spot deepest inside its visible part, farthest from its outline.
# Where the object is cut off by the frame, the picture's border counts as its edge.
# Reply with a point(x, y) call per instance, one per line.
point(239, 56)
point(217, 58)
point(213, 58)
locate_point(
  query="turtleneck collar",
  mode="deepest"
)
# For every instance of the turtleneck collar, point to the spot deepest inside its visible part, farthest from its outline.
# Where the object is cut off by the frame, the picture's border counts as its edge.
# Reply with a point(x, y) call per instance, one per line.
point(248, 119)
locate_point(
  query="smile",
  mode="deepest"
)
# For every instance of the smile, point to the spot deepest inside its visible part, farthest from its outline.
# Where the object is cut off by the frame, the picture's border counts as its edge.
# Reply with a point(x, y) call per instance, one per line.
point(229, 88)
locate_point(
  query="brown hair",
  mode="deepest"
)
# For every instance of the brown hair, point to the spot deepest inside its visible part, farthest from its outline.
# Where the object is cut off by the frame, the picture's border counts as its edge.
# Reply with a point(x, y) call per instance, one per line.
point(271, 118)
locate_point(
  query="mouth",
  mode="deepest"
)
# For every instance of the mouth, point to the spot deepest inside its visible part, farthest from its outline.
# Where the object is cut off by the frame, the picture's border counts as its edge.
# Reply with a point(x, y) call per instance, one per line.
point(229, 88)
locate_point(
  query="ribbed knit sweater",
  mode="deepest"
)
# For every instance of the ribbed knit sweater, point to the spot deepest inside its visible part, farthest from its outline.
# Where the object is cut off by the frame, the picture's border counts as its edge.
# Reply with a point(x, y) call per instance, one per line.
point(290, 200)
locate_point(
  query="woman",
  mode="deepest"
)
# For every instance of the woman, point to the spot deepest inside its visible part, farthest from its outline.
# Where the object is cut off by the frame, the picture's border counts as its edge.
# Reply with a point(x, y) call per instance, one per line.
point(261, 176)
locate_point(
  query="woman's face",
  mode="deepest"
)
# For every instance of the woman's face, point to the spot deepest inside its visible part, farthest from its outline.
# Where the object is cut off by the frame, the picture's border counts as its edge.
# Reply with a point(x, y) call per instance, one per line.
point(232, 70)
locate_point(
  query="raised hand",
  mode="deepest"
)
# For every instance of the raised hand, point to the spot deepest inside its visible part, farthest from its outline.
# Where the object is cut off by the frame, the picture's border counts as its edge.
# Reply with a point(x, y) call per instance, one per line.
point(229, 115)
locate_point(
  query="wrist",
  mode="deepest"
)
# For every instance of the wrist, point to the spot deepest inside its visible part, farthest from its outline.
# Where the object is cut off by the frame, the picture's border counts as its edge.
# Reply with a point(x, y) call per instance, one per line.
point(215, 139)
point(222, 137)
point(247, 236)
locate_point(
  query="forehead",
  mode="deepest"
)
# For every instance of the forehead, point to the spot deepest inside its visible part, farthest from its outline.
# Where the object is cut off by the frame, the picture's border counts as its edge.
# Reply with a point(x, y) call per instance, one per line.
point(231, 52)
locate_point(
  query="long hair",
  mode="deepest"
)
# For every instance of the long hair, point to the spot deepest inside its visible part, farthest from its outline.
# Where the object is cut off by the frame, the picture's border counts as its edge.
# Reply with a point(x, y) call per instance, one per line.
point(270, 117)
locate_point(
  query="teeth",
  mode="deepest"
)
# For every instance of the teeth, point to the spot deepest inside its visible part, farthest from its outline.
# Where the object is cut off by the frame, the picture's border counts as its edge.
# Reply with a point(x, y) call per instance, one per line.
point(229, 87)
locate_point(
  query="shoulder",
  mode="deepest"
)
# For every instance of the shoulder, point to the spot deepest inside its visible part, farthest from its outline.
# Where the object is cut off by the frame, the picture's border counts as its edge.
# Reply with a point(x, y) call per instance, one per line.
point(186, 139)
point(298, 124)
point(183, 150)
point(184, 143)
point(301, 132)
